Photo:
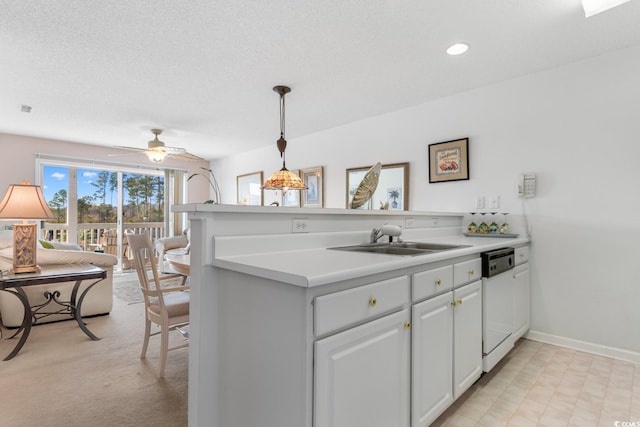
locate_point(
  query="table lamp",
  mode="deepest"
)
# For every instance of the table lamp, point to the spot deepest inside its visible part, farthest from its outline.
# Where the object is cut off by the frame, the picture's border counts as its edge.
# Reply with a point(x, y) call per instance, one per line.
point(24, 201)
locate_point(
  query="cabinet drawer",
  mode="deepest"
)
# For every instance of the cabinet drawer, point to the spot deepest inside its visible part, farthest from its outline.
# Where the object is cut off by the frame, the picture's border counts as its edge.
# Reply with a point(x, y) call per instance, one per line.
point(431, 282)
point(467, 271)
point(344, 308)
point(522, 255)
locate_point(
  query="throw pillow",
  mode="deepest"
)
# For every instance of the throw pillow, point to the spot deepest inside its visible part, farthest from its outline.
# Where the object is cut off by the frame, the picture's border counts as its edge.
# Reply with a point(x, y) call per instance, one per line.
point(46, 244)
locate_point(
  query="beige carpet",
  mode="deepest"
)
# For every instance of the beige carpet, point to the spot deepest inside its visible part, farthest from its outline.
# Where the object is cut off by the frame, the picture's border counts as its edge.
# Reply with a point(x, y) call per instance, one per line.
point(62, 378)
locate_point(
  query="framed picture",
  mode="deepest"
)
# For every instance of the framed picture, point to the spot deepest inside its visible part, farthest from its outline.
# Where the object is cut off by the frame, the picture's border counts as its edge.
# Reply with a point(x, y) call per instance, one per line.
point(449, 161)
point(392, 191)
point(313, 196)
point(250, 189)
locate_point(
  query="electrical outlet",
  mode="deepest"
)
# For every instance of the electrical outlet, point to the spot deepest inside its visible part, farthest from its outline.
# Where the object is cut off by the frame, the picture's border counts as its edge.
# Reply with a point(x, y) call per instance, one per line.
point(494, 202)
point(300, 226)
point(409, 223)
point(480, 202)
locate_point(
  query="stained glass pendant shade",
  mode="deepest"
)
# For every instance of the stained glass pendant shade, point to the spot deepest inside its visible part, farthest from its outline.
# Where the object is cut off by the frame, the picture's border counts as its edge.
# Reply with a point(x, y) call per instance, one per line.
point(283, 179)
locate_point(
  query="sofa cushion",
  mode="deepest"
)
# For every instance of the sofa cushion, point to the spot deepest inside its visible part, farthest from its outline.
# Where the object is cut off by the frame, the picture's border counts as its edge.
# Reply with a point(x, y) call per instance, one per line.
point(66, 246)
point(177, 251)
point(173, 242)
point(6, 238)
point(56, 256)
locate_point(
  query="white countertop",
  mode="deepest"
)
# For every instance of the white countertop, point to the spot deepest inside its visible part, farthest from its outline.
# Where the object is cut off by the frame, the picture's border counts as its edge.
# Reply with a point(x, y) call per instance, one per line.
point(321, 266)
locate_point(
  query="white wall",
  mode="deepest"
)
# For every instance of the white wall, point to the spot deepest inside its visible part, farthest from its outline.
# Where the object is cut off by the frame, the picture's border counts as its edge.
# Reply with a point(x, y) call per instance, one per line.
point(576, 127)
point(19, 153)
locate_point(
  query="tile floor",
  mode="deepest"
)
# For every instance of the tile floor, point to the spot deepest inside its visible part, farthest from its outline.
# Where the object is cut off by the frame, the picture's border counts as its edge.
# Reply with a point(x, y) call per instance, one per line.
point(539, 384)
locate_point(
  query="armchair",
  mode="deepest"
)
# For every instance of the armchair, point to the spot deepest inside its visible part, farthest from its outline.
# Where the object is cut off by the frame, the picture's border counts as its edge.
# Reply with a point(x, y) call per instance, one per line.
point(177, 245)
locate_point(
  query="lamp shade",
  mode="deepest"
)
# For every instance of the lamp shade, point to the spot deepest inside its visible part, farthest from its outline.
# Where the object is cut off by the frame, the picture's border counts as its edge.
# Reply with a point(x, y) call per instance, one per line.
point(284, 179)
point(24, 201)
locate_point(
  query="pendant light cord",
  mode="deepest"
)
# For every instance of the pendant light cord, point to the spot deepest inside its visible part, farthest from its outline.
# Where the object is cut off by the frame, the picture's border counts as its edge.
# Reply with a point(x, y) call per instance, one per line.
point(282, 121)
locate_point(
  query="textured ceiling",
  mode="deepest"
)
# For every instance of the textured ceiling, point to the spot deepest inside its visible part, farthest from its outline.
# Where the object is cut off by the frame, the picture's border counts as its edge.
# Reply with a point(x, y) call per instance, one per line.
point(105, 72)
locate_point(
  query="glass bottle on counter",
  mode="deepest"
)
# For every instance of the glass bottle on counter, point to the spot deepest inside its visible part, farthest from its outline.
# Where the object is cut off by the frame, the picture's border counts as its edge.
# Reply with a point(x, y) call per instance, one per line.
point(493, 226)
point(483, 228)
point(472, 227)
point(504, 228)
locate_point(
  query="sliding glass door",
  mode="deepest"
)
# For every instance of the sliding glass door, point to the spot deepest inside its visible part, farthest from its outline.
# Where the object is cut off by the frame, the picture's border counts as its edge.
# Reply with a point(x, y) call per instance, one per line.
point(94, 207)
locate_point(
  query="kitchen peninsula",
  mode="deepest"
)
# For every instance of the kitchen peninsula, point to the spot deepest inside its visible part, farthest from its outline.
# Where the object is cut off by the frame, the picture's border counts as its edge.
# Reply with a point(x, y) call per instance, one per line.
point(285, 332)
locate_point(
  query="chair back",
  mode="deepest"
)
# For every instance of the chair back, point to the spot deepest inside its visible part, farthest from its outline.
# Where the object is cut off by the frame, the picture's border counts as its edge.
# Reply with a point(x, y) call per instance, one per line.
point(143, 259)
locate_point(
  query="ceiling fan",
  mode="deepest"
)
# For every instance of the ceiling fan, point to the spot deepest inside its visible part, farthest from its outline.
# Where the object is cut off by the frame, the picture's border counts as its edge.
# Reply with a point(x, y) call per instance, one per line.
point(156, 151)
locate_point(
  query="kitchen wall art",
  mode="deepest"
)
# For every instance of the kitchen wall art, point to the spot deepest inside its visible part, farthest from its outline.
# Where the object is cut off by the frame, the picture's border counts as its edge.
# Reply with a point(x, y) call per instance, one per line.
point(392, 189)
point(449, 161)
point(313, 196)
point(249, 189)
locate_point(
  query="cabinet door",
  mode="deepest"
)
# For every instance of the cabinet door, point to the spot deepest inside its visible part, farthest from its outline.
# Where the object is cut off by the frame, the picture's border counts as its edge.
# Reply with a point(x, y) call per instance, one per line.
point(432, 334)
point(467, 337)
point(362, 375)
point(521, 300)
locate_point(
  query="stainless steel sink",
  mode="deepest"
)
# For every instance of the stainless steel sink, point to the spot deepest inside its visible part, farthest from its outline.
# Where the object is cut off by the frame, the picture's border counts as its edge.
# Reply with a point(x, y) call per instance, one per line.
point(401, 248)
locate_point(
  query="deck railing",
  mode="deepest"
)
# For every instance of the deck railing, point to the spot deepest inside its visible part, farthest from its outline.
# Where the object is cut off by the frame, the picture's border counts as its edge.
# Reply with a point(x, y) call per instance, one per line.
point(91, 236)
point(103, 237)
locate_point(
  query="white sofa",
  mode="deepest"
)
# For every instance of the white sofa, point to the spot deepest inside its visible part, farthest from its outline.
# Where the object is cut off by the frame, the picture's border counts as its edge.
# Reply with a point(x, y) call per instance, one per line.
point(177, 245)
point(99, 299)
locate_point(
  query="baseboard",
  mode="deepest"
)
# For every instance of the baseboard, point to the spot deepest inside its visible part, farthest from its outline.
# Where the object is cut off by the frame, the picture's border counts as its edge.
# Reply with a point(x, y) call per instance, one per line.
point(587, 347)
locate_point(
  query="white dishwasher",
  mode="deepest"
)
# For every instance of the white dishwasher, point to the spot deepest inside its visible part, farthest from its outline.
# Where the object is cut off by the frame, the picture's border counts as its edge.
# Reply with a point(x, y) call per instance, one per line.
point(497, 306)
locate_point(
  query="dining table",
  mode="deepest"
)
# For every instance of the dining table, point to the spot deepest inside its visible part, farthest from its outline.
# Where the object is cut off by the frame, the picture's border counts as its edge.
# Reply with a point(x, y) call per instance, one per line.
point(180, 263)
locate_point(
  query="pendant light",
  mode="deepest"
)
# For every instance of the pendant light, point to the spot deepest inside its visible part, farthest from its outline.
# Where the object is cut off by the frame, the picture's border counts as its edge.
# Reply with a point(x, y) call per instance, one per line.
point(283, 179)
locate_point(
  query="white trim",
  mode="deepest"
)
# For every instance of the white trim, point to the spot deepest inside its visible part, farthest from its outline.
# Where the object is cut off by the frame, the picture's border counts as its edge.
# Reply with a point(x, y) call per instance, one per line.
point(104, 164)
point(587, 347)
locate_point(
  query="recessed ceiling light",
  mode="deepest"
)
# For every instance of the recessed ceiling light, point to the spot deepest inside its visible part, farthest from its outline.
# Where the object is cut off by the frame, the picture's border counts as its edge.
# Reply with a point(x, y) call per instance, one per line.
point(25, 108)
point(457, 49)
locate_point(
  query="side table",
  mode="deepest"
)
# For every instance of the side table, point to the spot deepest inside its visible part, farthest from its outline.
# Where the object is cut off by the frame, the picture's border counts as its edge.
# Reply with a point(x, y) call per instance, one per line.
point(13, 283)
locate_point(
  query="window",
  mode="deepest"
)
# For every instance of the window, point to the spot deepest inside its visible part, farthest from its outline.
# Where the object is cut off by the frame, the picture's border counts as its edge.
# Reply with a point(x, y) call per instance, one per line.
point(94, 204)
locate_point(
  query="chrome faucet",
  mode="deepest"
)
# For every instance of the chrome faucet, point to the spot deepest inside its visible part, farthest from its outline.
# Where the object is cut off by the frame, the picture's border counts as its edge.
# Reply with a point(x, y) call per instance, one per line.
point(386, 230)
point(375, 235)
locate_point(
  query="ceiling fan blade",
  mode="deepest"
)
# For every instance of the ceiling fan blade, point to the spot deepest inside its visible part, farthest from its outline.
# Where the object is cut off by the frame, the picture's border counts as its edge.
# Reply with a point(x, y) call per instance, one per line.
point(174, 150)
point(130, 148)
point(133, 153)
point(185, 156)
point(155, 145)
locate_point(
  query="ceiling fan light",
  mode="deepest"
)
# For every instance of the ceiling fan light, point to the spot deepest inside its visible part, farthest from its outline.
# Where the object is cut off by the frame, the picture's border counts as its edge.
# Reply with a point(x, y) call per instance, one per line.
point(156, 156)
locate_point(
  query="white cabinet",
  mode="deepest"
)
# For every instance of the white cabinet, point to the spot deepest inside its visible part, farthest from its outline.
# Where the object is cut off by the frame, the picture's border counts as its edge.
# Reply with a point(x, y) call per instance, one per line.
point(431, 282)
point(362, 375)
point(446, 355)
point(521, 296)
point(431, 358)
point(342, 309)
point(521, 293)
point(467, 271)
point(467, 337)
